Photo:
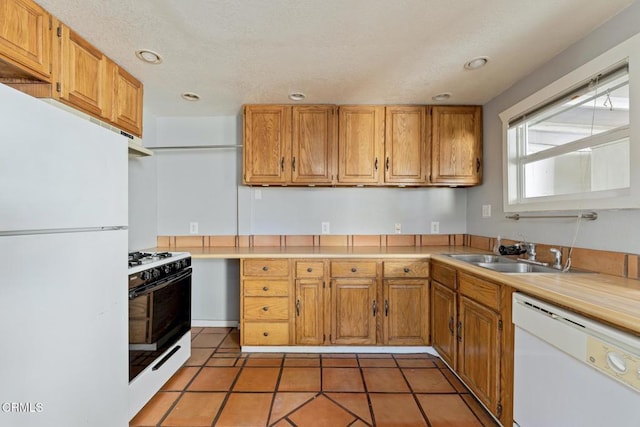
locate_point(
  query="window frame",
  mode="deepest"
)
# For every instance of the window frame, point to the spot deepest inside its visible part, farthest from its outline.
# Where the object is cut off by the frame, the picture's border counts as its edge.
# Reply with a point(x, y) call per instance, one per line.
point(627, 198)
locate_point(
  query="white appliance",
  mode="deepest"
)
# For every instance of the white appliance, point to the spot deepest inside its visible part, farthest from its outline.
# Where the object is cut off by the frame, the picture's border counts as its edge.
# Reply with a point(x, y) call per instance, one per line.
point(572, 371)
point(63, 273)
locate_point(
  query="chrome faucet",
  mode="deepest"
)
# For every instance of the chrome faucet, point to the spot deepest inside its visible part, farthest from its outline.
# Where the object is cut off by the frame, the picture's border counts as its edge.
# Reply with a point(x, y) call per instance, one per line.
point(531, 251)
point(557, 263)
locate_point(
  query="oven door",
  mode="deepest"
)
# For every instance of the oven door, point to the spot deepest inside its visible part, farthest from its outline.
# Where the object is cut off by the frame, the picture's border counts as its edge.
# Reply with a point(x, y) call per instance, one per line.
point(160, 313)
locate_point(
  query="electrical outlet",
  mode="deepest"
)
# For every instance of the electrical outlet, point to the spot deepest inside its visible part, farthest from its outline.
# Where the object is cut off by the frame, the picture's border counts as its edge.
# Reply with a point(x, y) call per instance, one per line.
point(257, 194)
point(435, 227)
point(193, 228)
point(486, 211)
point(398, 228)
point(325, 228)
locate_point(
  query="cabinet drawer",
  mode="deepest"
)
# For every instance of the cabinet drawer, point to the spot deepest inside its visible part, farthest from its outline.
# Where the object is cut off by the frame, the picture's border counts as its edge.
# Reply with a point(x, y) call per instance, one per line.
point(353, 269)
point(266, 308)
point(259, 333)
point(443, 274)
point(265, 288)
point(309, 269)
point(265, 267)
point(484, 292)
point(406, 268)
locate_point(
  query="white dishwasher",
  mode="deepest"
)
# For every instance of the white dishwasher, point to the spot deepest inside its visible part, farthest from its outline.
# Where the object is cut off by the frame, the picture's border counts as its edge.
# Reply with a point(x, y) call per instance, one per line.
point(572, 371)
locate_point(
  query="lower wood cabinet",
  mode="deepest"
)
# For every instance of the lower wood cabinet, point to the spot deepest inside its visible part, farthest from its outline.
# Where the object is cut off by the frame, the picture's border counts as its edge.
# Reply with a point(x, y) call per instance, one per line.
point(354, 310)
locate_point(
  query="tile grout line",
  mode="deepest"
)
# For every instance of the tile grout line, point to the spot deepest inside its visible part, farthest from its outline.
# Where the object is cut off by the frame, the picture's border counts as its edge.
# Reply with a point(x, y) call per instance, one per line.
point(413, 394)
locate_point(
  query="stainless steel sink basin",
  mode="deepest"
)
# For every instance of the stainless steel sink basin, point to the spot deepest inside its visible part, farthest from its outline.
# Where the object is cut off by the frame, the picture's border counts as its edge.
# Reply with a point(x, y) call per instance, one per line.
point(481, 258)
point(517, 267)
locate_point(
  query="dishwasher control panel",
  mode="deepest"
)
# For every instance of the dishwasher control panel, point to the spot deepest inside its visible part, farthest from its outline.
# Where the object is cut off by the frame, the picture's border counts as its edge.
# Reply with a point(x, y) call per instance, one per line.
point(614, 362)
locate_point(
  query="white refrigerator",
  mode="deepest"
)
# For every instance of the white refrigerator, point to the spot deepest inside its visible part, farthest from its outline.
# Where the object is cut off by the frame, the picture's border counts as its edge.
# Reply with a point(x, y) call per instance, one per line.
point(63, 268)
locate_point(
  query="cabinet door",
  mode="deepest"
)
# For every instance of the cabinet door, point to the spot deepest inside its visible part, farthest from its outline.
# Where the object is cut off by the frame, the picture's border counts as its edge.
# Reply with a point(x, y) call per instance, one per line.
point(267, 144)
point(127, 101)
point(82, 74)
point(456, 145)
point(479, 351)
point(443, 318)
point(313, 144)
point(406, 312)
point(309, 312)
point(25, 39)
point(405, 145)
point(360, 142)
point(353, 311)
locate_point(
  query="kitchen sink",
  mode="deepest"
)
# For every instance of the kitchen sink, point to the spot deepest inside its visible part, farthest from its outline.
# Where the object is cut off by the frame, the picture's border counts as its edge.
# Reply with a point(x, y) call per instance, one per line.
point(517, 267)
point(484, 258)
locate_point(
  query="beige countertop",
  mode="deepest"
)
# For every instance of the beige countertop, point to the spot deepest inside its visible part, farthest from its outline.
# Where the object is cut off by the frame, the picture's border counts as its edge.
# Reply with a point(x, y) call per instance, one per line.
point(614, 300)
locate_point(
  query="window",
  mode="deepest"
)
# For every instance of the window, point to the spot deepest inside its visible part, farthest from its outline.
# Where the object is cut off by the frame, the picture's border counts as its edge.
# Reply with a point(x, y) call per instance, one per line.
point(570, 146)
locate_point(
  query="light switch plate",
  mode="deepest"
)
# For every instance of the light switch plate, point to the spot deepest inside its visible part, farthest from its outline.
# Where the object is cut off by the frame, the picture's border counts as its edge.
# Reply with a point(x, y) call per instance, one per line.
point(435, 227)
point(193, 228)
point(398, 228)
point(486, 211)
point(326, 228)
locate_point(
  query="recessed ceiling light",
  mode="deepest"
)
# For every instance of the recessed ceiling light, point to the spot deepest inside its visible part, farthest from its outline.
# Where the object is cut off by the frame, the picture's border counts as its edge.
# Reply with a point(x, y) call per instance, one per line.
point(148, 56)
point(476, 63)
point(297, 96)
point(442, 96)
point(190, 96)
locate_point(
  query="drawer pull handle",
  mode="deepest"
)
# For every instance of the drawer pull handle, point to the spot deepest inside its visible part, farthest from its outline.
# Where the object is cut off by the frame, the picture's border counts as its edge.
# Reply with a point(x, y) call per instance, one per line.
point(407, 269)
point(265, 268)
point(265, 288)
point(459, 331)
point(354, 270)
point(265, 308)
point(309, 270)
point(451, 325)
point(374, 306)
point(266, 334)
point(386, 308)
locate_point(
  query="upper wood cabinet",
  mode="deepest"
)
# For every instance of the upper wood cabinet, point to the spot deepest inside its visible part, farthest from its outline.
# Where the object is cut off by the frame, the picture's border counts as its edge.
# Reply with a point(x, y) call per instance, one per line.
point(25, 40)
point(126, 109)
point(456, 145)
point(313, 144)
point(360, 144)
point(405, 146)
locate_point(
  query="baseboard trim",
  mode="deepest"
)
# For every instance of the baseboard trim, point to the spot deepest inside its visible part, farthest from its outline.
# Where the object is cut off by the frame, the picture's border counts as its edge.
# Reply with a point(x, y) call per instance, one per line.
point(339, 349)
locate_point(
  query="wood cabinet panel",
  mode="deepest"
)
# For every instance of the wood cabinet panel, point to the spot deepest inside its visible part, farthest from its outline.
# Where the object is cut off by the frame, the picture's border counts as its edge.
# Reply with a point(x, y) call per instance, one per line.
point(405, 145)
point(443, 322)
point(266, 308)
point(266, 333)
point(482, 291)
point(127, 101)
point(25, 40)
point(265, 267)
point(313, 144)
point(309, 311)
point(266, 288)
point(353, 311)
point(479, 351)
point(410, 268)
point(309, 269)
point(456, 141)
point(406, 312)
point(267, 144)
point(355, 268)
point(360, 144)
point(443, 274)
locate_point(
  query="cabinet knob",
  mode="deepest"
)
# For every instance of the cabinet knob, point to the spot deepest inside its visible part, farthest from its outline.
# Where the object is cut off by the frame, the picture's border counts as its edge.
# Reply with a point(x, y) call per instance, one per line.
point(354, 270)
point(265, 288)
point(265, 268)
point(266, 334)
point(309, 270)
point(407, 269)
point(265, 308)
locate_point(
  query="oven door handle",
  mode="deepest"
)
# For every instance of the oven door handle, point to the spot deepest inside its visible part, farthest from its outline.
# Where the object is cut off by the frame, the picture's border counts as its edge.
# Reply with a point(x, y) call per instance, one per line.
point(159, 284)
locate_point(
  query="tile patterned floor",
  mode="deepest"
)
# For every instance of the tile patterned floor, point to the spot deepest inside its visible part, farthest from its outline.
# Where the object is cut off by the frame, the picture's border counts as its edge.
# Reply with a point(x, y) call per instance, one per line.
point(220, 386)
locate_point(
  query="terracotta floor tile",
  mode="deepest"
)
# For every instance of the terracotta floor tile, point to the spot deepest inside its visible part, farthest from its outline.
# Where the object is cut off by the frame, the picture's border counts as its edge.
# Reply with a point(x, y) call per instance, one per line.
point(340, 363)
point(199, 356)
point(180, 379)
point(195, 410)
point(359, 423)
point(222, 361)
point(266, 355)
point(427, 381)
point(322, 412)
point(257, 379)
point(415, 363)
point(195, 331)
point(342, 379)
point(455, 382)
point(154, 410)
point(303, 355)
point(214, 379)
point(300, 379)
point(207, 340)
point(338, 355)
point(217, 330)
point(375, 356)
point(231, 341)
point(285, 403)
point(356, 403)
point(415, 356)
point(378, 363)
point(485, 419)
point(264, 362)
point(386, 380)
point(288, 362)
point(447, 410)
point(282, 423)
point(397, 410)
point(245, 409)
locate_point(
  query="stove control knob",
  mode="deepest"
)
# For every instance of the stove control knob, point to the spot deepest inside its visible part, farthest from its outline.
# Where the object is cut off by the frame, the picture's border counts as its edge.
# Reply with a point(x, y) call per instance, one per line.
point(145, 275)
point(156, 273)
point(167, 269)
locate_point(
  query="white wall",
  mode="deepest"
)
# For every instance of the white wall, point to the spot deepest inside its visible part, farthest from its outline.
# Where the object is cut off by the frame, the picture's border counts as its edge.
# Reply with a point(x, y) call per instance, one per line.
point(614, 230)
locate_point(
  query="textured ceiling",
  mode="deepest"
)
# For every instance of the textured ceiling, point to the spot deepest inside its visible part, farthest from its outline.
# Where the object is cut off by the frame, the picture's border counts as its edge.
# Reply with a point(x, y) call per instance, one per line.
point(233, 52)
